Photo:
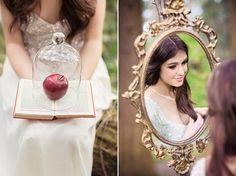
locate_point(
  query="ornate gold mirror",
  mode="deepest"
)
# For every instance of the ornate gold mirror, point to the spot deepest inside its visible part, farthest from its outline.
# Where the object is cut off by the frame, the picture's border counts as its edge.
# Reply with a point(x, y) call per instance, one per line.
point(167, 69)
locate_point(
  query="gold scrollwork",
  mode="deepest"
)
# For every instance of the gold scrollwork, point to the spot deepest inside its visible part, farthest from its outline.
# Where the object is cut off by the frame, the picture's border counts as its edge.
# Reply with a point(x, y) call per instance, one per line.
point(181, 158)
point(133, 93)
point(139, 45)
point(181, 155)
point(201, 144)
point(147, 138)
point(200, 25)
point(175, 4)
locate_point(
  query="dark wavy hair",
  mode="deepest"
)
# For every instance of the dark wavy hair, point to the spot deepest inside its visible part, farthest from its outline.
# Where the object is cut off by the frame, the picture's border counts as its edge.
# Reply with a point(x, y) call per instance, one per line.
point(167, 49)
point(222, 117)
point(76, 12)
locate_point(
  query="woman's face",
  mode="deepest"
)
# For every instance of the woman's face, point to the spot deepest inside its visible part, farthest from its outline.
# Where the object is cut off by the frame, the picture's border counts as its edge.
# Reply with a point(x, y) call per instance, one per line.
point(174, 70)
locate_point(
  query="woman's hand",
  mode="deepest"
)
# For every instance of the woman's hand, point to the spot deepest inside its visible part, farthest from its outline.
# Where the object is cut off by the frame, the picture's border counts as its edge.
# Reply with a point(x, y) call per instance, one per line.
point(202, 111)
point(193, 126)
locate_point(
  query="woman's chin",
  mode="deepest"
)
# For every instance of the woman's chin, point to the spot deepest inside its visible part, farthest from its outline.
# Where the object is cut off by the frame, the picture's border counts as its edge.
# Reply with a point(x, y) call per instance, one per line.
point(178, 84)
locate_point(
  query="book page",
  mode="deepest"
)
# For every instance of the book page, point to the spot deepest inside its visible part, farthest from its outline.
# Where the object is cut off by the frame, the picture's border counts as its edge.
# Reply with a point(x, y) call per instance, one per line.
point(26, 105)
point(79, 99)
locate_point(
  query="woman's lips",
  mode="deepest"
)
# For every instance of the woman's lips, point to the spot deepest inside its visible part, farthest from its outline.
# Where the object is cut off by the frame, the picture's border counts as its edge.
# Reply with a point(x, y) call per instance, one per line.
point(180, 79)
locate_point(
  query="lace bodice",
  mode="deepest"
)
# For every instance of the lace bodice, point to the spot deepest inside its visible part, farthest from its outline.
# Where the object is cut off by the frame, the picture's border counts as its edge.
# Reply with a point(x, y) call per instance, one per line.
point(38, 33)
point(167, 129)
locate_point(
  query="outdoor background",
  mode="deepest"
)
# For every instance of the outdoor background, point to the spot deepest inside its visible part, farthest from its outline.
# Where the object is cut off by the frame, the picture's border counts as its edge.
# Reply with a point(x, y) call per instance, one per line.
point(134, 159)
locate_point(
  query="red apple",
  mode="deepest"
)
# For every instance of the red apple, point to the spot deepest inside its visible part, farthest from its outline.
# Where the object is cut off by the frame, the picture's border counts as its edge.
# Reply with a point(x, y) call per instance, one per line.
point(55, 86)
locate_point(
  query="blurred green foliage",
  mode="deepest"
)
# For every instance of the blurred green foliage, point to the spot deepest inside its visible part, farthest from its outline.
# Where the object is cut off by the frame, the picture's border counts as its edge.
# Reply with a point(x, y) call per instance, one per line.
point(2, 46)
point(217, 15)
point(110, 42)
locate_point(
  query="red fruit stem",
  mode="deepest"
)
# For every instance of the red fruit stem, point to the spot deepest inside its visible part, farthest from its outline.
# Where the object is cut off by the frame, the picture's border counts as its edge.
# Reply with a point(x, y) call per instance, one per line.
point(61, 78)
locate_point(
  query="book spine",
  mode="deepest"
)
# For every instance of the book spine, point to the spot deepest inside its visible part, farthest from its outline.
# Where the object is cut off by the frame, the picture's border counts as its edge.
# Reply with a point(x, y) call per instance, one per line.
point(13, 113)
point(91, 91)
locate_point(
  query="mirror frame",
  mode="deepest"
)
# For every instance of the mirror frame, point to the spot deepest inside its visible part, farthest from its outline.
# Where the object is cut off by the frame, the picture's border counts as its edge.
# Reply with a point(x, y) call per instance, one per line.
point(175, 16)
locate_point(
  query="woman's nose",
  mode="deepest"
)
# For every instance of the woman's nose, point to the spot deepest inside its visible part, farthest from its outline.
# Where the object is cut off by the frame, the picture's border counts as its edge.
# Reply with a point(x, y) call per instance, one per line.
point(181, 70)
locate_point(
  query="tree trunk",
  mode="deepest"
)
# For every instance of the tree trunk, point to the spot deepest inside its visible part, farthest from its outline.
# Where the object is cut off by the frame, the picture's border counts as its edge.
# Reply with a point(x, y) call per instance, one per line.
point(105, 148)
point(134, 159)
point(232, 9)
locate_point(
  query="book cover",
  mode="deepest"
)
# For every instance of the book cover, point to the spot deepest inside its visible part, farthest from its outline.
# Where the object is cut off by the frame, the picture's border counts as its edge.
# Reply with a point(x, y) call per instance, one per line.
point(70, 106)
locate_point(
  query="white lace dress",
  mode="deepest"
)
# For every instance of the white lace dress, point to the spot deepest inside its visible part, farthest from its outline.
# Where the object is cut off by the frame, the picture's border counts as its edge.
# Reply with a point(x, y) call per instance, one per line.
point(47, 148)
point(166, 128)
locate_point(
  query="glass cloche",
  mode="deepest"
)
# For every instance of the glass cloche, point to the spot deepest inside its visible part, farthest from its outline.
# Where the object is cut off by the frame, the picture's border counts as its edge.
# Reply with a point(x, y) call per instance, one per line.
point(56, 74)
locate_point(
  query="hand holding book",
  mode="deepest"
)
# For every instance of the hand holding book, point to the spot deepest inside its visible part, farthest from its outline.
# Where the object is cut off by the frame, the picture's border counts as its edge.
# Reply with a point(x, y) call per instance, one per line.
point(81, 106)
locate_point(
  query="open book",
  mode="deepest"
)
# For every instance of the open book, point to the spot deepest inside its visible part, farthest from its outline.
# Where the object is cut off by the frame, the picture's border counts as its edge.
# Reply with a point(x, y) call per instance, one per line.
point(81, 106)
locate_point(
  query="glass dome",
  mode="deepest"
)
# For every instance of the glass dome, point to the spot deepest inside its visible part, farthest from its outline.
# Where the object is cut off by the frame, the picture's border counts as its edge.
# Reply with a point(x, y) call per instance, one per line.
point(56, 73)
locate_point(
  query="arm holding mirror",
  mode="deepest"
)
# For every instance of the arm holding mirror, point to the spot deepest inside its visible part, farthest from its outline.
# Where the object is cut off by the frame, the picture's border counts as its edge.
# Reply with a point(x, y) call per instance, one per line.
point(202, 111)
point(193, 126)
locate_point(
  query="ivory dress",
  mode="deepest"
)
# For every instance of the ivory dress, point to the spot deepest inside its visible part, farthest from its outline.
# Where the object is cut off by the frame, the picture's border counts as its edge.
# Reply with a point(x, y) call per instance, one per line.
point(47, 148)
point(166, 128)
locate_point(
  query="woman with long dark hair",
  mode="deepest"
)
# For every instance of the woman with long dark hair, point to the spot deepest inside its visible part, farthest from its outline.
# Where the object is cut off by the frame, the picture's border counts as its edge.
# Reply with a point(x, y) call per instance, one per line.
point(167, 94)
point(222, 123)
point(61, 147)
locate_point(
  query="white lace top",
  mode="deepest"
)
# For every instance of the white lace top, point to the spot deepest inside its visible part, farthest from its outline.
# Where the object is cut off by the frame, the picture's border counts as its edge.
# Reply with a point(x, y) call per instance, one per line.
point(167, 129)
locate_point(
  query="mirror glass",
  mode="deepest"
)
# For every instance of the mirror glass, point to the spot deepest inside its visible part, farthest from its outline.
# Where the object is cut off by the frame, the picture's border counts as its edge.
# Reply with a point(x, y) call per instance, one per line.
point(175, 78)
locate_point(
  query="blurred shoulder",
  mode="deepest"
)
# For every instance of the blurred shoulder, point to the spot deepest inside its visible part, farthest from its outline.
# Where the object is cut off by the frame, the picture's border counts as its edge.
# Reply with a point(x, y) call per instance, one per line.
point(199, 168)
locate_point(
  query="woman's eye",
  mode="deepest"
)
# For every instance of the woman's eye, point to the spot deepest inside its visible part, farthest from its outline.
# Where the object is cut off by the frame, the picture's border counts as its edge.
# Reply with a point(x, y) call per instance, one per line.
point(172, 67)
point(185, 62)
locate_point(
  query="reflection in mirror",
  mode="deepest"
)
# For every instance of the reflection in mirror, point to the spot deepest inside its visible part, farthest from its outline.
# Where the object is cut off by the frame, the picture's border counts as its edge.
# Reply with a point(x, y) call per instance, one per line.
point(168, 102)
